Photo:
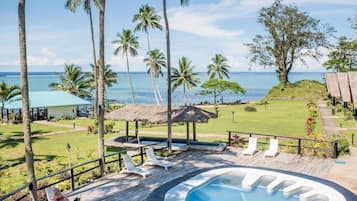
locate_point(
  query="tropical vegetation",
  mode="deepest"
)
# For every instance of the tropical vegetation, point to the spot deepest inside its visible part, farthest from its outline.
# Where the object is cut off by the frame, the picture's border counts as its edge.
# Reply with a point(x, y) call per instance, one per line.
point(8, 93)
point(218, 87)
point(73, 81)
point(110, 77)
point(219, 67)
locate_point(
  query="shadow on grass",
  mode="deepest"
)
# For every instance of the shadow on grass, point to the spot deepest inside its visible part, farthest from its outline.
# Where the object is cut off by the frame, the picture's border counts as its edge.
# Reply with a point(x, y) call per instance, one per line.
point(11, 143)
point(18, 161)
point(34, 132)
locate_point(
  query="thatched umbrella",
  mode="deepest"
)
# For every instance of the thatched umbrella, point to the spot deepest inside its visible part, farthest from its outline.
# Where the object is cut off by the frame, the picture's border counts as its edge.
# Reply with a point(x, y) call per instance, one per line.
point(158, 114)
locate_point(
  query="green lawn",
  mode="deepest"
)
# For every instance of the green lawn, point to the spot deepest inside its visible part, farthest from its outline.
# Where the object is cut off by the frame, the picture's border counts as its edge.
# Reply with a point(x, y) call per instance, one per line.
point(347, 123)
point(279, 117)
point(11, 130)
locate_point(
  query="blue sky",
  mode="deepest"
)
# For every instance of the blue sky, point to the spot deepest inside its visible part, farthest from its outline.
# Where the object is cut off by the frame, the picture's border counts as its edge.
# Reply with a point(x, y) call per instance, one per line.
point(56, 36)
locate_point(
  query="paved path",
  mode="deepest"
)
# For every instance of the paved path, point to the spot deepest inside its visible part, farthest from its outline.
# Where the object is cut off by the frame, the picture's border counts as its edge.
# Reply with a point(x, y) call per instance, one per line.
point(119, 187)
point(329, 124)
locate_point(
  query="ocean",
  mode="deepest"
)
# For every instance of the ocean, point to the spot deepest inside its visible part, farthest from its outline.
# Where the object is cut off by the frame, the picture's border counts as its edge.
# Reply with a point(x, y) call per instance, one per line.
point(256, 84)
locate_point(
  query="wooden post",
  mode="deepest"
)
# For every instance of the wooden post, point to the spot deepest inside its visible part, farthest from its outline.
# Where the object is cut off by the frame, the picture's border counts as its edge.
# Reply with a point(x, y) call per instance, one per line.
point(72, 180)
point(141, 155)
point(187, 132)
point(101, 167)
point(229, 138)
point(335, 149)
point(32, 114)
point(136, 129)
point(127, 131)
point(7, 114)
point(119, 161)
point(299, 146)
point(194, 131)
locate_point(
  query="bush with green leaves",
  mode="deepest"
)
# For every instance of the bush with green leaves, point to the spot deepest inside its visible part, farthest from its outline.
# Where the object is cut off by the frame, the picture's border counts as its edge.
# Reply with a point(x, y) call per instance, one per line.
point(343, 144)
point(250, 109)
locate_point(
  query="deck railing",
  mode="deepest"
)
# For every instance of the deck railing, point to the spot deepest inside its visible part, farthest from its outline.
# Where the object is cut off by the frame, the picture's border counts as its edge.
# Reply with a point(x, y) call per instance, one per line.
point(300, 146)
point(70, 174)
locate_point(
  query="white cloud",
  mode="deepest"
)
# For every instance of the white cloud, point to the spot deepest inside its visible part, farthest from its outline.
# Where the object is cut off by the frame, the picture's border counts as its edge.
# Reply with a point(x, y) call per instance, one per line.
point(45, 57)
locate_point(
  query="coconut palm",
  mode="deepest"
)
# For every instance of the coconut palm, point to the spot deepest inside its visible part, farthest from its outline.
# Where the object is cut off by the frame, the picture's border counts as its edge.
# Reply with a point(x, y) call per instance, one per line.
point(101, 106)
point(7, 93)
point(147, 18)
point(110, 77)
point(155, 62)
point(25, 103)
point(168, 57)
point(73, 81)
point(127, 44)
point(219, 67)
point(184, 76)
point(72, 5)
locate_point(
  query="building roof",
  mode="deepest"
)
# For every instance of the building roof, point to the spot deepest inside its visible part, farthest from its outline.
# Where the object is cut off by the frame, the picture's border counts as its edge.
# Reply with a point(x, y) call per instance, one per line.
point(158, 114)
point(344, 87)
point(352, 77)
point(47, 99)
point(332, 85)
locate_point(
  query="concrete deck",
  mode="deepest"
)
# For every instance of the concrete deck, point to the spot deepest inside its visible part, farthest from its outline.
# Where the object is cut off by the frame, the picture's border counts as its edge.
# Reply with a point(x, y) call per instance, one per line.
point(133, 188)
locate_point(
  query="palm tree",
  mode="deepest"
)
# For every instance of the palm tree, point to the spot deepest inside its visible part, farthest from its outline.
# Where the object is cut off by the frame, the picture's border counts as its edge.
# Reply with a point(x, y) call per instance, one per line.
point(147, 18)
point(110, 77)
point(25, 102)
point(219, 67)
point(127, 43)
point(72, 5)
point(101, 102)
point(184, 76)
point(155, 62)
point(168, 56)
point(7, 93)
point(73, 81)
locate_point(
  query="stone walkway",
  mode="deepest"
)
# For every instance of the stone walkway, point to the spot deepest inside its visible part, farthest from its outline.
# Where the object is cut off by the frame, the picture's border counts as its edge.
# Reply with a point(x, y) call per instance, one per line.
point(118, 187)
point(329, 124)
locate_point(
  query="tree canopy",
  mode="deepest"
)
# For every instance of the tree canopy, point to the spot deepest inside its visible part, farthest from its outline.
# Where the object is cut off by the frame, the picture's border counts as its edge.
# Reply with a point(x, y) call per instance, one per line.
point(343, 57)
point(292, 36)
point(218, 87)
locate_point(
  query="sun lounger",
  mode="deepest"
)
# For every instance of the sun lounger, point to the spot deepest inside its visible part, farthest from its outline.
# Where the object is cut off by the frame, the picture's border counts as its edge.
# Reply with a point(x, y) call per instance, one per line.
point(130, 168)
point(53, 193)
point(273, 148)
point(152, 160)
point(252, 147)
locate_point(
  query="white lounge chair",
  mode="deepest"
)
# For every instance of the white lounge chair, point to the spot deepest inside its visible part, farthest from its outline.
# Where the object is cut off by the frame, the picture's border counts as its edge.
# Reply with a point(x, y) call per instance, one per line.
point(252, 147)
point(273, 148)
point(49, 192)
point(130, 168)
point(152, 160)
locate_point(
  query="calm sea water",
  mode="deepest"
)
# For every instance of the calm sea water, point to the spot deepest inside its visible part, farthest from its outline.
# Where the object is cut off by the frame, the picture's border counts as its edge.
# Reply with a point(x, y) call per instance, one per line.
point(257, 85)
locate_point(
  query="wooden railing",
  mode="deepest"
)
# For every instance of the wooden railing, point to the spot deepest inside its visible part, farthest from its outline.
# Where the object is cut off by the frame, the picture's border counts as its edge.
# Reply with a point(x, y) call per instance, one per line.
point(69, 174)
point(298, 144)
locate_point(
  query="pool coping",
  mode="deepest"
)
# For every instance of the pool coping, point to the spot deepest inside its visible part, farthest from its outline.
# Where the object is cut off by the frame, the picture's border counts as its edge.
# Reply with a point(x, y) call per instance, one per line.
point(159, 193)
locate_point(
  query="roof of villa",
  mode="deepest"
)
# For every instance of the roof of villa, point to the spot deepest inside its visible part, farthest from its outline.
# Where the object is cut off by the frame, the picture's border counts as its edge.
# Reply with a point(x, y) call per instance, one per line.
point(47, 99)
point(344, 87)
point(332, 84)
point(158, 114)
point(352, 77)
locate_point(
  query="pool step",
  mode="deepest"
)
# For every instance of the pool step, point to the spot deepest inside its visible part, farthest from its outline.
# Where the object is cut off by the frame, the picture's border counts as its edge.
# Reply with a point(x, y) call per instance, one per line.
point(273, 186)
point(290, 190)
point(308, 195)
point(250, 180)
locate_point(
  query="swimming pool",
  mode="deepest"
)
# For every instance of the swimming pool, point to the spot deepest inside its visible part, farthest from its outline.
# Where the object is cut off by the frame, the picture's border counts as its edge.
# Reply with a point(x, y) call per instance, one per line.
point(252, 184)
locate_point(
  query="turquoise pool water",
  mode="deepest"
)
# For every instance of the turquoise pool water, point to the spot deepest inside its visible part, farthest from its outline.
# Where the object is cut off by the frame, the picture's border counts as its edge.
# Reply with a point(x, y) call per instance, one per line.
point(227, 187)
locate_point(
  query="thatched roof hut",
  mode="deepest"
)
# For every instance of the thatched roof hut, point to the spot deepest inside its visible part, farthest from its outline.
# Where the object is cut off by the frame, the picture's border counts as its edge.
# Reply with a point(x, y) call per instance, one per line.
point(332, 85)
point(352, 77)
point(344, 87)
point(158, 114)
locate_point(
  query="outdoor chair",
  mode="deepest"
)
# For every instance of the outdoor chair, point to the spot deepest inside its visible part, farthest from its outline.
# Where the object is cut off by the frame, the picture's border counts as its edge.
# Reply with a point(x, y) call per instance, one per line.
point(252, 147)
point(152, 160)
point(130, 168)
point(273, 148)
point(53, 193)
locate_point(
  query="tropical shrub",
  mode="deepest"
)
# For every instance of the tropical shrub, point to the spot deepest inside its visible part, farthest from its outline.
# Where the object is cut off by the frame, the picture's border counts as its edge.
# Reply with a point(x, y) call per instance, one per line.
point(250, 109)
point(343, 144)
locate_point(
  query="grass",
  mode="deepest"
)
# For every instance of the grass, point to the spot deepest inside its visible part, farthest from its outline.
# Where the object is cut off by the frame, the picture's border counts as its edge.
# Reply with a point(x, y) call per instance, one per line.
point(347, 123)
point(11, 130)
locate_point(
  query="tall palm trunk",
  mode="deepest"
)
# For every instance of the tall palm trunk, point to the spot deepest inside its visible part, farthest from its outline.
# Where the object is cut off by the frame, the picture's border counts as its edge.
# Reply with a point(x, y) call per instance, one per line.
point(158, 91)
point(151, 74)
point(2, 110)
point(94, 61)
point(167, 29)
point(184, 95)
point(25, 102)
point(129, 77)
point(101, 106)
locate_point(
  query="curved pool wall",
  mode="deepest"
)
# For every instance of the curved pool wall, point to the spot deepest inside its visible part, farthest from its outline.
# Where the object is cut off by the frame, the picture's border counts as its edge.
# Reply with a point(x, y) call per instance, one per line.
point(179, 188)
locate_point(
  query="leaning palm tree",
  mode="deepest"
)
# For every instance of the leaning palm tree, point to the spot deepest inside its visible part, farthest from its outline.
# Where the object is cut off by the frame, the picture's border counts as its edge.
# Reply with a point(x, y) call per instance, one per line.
point(184, 76)
point(110, 77)
point(147, 18)
point(101, 107)
point(73, 81)
point(127, 44)
point(155, 62)
point(7, 93)
point(168, 56)
point(72, 5)
point(25, 103)
point(219, 67)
